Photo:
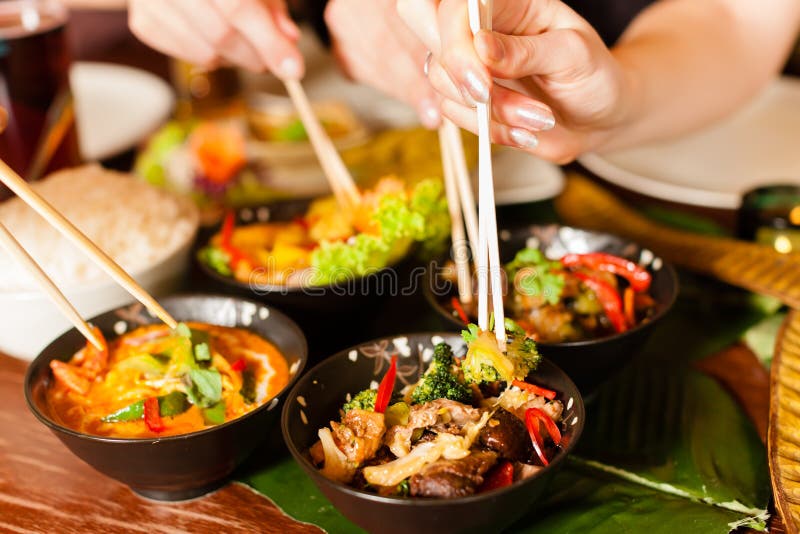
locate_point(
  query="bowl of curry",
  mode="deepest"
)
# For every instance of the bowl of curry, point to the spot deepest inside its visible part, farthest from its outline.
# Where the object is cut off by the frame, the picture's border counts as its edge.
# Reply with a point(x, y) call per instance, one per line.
point(169, 412)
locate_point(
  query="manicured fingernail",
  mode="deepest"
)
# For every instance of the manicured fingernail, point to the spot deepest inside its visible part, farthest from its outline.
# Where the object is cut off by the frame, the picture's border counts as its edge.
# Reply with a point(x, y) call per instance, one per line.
point(476, 87)
point(429, 114)
point(523, 138)
point(536, 118)
point(289, 69)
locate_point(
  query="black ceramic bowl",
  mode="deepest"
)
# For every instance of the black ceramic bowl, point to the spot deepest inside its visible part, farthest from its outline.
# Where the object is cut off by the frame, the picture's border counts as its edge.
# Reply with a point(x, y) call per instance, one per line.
point(591, 362)
point(319, 394)
point(183, 466)
point(310, 306)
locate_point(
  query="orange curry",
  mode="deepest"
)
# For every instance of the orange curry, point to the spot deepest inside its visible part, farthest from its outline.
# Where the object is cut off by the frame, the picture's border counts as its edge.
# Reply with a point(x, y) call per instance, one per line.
point(154, 381)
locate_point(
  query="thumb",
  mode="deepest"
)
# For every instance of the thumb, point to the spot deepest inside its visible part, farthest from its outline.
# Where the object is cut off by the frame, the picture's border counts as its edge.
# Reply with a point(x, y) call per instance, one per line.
point(551, 52)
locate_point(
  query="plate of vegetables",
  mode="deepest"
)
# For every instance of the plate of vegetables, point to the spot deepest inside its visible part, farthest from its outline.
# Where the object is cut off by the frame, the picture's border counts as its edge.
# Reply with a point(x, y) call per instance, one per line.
point(433, 432)
point(589, 299)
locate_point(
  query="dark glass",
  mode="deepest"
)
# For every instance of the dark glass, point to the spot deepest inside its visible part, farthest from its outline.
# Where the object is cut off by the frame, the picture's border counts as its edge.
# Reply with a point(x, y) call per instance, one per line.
point(771, 215)
point(34, 88)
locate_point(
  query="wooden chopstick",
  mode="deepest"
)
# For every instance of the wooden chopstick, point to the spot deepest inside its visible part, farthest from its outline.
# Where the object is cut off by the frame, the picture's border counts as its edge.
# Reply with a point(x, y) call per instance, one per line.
point(456, 150)
point(460, 250)
point(339, 178)
point(13, 181)
point(18, 252)
point(488, 256)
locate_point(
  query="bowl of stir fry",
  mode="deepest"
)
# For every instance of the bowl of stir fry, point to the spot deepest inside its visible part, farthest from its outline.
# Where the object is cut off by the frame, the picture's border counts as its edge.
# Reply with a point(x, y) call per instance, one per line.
point(589, 299)
point(434, 432)
point(169, 412)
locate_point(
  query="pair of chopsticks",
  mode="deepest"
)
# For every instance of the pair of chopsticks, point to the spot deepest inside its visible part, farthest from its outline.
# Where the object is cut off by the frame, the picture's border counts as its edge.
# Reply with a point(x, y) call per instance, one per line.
point(483, 240)
point(14, 182)
point(339, 178)
point(484, 247)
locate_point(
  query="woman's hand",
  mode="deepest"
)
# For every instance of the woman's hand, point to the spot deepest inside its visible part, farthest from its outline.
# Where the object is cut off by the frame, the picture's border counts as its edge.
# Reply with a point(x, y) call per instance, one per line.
point(568, 89)
point(254, 34)
point(373, 46)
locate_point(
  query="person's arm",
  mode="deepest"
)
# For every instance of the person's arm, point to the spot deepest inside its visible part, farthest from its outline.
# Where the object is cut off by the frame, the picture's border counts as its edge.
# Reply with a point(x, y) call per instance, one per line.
point(689, 63)
point(680, 65)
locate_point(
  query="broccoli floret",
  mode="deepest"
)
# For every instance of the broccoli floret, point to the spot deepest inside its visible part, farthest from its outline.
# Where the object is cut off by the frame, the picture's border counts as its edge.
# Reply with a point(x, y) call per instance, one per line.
point(486, 363)
point(363, 400)
point(440, 381)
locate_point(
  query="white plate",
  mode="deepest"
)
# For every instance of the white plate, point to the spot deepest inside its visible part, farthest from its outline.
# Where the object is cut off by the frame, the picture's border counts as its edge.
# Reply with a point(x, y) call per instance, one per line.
point(713, 167)
point(116, 107)
point(520, 177)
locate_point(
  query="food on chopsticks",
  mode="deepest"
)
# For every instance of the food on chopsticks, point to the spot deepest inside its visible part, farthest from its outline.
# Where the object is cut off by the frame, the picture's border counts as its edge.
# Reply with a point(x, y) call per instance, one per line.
point(575, 298)
point(330, 244)
point(154, 381)
point(471, 424)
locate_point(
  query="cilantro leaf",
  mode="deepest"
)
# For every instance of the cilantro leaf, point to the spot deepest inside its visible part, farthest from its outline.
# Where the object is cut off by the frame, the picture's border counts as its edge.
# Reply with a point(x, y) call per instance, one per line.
point(471, 333)
point(534, 275)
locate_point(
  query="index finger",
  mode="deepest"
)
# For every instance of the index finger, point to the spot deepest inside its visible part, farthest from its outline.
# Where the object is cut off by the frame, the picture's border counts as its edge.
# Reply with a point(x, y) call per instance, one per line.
point(458, 55)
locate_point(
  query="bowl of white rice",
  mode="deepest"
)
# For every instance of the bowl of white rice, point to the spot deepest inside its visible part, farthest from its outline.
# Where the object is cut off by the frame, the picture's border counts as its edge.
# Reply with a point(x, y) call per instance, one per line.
point(148, 231)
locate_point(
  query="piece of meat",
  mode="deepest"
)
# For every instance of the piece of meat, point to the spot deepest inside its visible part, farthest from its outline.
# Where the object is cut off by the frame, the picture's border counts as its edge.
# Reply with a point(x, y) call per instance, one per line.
point(359, 435)
point(506, 434)
point(452, 478)
point(441, 415)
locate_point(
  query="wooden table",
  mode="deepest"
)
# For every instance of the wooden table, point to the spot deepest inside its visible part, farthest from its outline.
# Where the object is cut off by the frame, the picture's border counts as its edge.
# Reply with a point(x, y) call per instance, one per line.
point(44, 488)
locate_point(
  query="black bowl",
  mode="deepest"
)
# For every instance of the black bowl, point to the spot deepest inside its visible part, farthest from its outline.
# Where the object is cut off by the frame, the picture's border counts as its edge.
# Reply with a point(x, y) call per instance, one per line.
point(319, 394)
point(183, 466)
point(591, 362)
point(310, 306)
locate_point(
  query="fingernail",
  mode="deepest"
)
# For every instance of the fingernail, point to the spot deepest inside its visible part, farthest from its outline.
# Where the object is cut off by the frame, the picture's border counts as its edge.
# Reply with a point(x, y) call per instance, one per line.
point(289, 69)
point(523, 138)
point(536, 118)
point(429, 114)
point(475, 86)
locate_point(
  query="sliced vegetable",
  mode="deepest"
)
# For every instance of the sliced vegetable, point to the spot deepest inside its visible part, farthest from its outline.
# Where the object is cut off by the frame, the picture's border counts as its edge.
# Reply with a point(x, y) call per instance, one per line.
point(205, 387)
point(144, 363)
point(202, 352)
point(500, 477)
point(629, 306)
point(215, 415)
point(638, 277)
point(460, 310)
point(397, 414)
point(513, 327)
point(169, 405)
point(239, 365)
point(248, 391)
point(226, 241)
point(173, 404)
point(609, 298)
point(386, 387)
point(131, 412)
point(533, 418)
point(536, 390)
point(152, 415)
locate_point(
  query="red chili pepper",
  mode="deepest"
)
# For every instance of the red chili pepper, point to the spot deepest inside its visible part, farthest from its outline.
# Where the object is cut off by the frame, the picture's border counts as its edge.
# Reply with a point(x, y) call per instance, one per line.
point(239, 365)
point(152, 415)
point(460, 310)
point(536, 390)
point(386, 387)
point(628, 301)
point(637, 277)
point(226, 240)
point(534, 416)
point(608, 297)
point(500, 477)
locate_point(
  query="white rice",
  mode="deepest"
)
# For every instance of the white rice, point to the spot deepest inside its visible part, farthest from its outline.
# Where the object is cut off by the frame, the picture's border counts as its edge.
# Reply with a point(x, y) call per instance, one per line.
point(135, 223)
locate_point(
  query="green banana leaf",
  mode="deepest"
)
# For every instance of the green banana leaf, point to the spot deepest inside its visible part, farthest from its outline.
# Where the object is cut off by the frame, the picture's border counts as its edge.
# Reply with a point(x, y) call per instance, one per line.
point(665, 449)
